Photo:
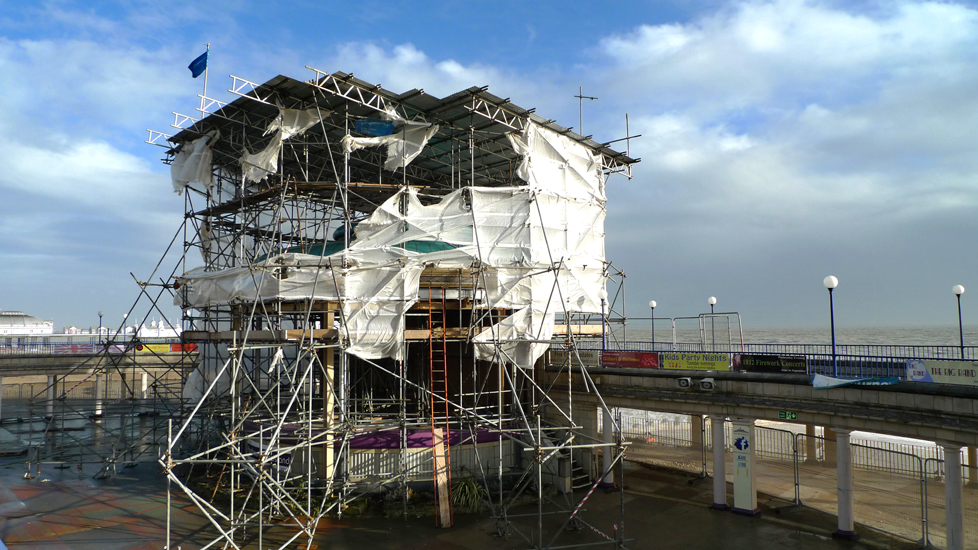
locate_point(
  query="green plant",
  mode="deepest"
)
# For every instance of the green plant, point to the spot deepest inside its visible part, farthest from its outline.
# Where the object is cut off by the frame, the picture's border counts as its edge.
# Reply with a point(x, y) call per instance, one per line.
point(467, 494)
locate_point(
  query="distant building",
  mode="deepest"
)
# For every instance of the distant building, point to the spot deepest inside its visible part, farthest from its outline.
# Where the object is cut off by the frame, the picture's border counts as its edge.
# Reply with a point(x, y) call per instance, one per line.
point(159, 330)
point(18, 323)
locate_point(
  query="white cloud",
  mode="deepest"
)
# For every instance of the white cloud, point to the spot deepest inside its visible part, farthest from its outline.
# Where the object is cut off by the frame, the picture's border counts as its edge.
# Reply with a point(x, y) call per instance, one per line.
point(776, 52)
point(404, 67)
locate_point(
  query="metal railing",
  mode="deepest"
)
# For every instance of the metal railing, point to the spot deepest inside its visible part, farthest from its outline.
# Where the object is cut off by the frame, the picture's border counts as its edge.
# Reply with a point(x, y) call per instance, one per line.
point(849, 361)
point(897, 488)
point(74, 347)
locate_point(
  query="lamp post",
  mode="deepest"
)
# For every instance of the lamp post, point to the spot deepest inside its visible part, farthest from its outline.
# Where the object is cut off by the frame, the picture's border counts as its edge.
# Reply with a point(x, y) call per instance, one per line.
point(652, 305)
point(713, 335)
point(830, 283)
point(958, 290)
point(100, 328)
point(603, 294)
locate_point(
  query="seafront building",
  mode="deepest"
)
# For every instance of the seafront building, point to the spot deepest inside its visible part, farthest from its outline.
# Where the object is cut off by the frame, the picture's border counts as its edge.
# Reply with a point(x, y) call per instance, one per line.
point(18, 323)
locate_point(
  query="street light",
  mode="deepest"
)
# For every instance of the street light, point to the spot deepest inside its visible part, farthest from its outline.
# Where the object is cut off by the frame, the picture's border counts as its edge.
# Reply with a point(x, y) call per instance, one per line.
point(830, 283)
point(603, 294)
point(100, 328)
point(652, 305)
point(713, 335)
point(958, 290)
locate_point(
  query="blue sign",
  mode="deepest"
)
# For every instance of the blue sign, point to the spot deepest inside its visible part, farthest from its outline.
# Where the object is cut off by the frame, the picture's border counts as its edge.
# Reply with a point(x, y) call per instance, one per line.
point(375, 127)
point(741, 443)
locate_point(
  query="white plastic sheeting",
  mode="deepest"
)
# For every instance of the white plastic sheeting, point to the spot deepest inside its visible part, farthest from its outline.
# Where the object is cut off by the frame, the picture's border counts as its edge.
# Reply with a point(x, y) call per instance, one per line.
point(539, 249)
point(192, 164)
point(402, 146)
point(288, 123)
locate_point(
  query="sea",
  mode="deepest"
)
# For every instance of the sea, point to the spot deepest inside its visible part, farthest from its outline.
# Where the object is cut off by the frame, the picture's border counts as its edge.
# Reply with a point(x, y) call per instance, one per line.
point(722, 332)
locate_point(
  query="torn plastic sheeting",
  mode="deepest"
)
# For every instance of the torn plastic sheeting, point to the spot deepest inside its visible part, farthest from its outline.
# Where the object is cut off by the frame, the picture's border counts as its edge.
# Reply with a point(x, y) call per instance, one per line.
point(192, 164)
point(513, 336)
point(257, 166)
point(289, 122)
point(402, 146)
point(563, 228)
point(577, 288)
point(287, 276)
point(295, 121)
point(201, 378)
point(447, 221)
point(376, 325)
point(555, 162)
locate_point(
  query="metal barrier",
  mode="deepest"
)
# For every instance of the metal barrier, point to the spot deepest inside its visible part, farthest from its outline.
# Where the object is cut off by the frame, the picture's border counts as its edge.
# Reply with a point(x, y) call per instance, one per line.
point(896, 490)
point(850, 361)
point(78, 347)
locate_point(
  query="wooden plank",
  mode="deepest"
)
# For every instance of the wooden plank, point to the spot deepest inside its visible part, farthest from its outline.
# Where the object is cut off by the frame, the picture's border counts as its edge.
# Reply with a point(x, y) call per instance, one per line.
point(316, 334)
point(585, 330)
point(440, 465)
point(258, 335)
point(453, 332)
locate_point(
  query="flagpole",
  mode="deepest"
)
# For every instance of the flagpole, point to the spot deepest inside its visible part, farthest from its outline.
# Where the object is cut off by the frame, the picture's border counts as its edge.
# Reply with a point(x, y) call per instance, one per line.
point(207, 63)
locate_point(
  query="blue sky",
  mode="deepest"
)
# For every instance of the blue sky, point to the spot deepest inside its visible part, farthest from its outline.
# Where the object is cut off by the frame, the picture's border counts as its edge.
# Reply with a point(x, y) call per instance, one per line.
point(782, 141)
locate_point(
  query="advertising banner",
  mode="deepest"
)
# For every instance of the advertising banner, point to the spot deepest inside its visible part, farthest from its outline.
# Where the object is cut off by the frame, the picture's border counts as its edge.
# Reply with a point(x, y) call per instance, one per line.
point(695, 361)
point(153, 348)
point(962, 373)
point(784, 364)
point(821, 382)
point(589, 358)
point(630, 359)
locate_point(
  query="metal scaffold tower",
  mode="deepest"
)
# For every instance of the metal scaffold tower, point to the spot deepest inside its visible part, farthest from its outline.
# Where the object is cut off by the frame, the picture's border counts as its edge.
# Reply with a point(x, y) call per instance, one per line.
point(371, 281)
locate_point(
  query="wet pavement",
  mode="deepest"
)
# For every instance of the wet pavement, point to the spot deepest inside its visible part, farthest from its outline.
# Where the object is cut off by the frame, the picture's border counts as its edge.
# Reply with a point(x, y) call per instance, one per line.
point(68, 509)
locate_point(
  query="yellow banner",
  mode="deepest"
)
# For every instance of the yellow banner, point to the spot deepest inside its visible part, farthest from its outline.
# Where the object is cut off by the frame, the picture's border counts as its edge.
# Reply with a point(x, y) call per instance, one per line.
point(153, 348)
point(962, 373)
point(696, 361)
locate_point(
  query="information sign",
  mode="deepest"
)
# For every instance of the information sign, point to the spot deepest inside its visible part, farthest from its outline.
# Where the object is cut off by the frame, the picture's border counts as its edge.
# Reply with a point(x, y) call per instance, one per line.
point(963, 373)
point(784, 364)
point(695, 361)
point(630, 359)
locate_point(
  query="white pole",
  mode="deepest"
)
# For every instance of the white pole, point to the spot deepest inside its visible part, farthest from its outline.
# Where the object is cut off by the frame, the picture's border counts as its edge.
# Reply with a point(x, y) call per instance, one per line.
point(954, 512)
point(719, 464)
point(844, 474)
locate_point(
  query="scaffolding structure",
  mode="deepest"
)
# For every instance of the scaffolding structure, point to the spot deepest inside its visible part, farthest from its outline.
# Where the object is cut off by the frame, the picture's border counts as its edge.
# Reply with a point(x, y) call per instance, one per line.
point(371, 281)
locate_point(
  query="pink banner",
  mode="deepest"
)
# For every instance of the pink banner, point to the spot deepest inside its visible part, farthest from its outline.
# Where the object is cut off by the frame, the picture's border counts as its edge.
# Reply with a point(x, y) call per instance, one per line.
point(630, 359)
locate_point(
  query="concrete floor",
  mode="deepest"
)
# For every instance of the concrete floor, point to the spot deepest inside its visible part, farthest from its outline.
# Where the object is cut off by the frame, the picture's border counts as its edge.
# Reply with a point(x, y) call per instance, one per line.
point(67, 509)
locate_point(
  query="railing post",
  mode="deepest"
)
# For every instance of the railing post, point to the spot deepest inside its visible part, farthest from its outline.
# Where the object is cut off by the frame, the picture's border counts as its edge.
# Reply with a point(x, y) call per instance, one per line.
point(924, 540)
point(797, 468)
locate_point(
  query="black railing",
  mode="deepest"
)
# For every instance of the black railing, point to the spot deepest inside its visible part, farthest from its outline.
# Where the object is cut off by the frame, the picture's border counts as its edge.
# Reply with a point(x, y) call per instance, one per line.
point(849, 361)
point(72, 347)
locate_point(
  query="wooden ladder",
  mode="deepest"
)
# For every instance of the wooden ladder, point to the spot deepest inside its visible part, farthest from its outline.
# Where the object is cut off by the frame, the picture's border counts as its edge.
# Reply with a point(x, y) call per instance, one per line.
point(439, 407)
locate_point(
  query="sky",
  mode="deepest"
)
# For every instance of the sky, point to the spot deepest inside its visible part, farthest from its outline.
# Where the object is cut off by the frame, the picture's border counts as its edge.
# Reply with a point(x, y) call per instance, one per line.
point(781, 141)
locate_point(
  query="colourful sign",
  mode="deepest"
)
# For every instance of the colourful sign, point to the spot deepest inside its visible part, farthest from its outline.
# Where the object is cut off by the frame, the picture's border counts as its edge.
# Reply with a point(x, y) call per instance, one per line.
point(785, 364)
point(630, 359)
point(153, 348)
point(962, 373)
point(74, 348)
point(695, 361)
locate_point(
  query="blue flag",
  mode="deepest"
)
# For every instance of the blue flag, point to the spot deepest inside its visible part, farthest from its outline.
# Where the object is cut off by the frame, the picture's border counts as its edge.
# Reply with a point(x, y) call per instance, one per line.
point(197, 66)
